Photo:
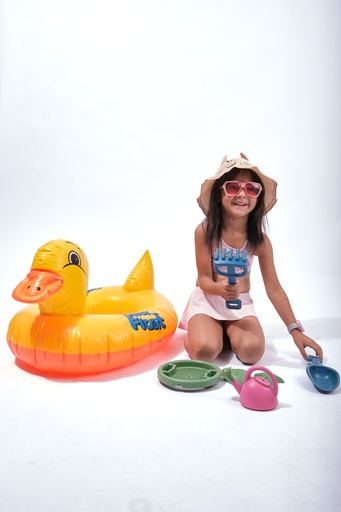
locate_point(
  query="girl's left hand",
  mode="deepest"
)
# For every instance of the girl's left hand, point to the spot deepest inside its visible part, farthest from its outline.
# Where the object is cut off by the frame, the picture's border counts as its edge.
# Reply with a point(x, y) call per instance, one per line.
point(302, 341)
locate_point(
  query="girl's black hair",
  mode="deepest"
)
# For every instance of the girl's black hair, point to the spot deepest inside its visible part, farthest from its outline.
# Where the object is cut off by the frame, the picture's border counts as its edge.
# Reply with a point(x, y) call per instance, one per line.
point(256, 219)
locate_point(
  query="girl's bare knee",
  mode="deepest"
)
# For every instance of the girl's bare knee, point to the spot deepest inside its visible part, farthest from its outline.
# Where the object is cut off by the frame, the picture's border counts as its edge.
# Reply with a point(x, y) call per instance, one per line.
point(249, 351)
point(247, 339)
point(203, 350)
point(251, 357)
point(204, 341)
point(203, 353)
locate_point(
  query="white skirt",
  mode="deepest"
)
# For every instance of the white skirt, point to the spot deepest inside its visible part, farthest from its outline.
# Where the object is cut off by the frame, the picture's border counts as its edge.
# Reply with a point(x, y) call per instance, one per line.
point(215, 307)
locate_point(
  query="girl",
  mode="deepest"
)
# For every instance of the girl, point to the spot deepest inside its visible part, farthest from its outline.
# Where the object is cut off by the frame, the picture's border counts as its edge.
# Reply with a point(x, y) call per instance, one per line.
point(235, 202)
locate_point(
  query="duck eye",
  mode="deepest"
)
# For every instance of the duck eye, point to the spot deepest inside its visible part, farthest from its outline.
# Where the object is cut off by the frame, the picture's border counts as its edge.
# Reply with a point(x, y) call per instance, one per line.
point(74, 258)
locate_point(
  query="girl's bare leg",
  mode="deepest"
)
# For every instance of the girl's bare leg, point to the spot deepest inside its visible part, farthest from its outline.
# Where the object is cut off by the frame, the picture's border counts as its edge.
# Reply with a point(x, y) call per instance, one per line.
point(247, 339)
point(205, 338)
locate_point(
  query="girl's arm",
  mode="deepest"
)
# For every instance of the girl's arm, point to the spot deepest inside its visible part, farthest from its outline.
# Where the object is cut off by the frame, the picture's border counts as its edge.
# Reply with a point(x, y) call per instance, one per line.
point(279, 298)
point(204, 265)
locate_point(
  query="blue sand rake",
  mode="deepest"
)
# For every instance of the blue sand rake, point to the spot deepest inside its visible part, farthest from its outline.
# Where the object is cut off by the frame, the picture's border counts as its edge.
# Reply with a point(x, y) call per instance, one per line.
point(231, 264)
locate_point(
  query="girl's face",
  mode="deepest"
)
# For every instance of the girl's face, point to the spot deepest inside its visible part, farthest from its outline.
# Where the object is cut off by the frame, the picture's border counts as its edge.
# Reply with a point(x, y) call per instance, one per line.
point(241, 204)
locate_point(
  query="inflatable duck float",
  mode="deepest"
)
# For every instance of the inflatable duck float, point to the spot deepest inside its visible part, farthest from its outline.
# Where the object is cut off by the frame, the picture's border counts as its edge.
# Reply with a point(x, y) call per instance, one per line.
point(68, 329)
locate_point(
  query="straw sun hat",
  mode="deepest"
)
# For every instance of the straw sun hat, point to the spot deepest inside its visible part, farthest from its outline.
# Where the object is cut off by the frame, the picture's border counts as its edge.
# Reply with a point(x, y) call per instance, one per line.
point(270, 185)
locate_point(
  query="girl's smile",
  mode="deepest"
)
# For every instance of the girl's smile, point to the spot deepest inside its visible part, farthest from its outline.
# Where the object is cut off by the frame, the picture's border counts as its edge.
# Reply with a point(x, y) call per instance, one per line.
point(240, 204)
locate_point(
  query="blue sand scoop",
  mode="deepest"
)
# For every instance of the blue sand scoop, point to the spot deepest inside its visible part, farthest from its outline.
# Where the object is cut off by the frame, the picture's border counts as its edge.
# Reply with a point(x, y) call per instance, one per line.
point(231, 264)
point(325, 379)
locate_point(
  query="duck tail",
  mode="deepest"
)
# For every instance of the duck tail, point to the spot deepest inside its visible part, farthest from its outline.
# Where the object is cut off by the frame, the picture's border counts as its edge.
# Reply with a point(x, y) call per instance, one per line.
point(142, 275)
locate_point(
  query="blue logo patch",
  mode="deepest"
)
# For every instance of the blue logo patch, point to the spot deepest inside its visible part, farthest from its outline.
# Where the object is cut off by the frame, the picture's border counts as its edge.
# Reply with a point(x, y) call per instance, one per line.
point(146, 321)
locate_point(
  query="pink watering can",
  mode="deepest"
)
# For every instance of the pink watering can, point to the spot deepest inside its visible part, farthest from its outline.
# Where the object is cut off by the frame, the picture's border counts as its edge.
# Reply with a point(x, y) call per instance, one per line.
point(257, 393)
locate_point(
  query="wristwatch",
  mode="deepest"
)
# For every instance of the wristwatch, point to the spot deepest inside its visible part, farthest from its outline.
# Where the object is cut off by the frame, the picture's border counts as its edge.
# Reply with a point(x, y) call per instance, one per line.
point(296, 325)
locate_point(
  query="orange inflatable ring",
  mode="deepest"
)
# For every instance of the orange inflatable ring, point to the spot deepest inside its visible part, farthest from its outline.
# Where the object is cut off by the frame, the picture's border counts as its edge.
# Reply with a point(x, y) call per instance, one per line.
point(68, 329)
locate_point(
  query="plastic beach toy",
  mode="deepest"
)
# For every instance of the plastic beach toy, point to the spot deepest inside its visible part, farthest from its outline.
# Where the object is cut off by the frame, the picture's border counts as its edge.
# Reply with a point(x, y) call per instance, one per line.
point(189, 375)
point(69, 329)
point(258, 393)
point(324, 378)
point(231, 264)
point(193, 375)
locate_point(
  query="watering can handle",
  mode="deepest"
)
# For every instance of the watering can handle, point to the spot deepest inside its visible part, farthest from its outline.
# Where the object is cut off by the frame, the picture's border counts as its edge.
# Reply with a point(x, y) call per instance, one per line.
point(265, 370)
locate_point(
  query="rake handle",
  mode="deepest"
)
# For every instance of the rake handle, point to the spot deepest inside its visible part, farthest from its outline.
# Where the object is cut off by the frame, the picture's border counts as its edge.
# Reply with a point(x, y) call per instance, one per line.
point(236, 303)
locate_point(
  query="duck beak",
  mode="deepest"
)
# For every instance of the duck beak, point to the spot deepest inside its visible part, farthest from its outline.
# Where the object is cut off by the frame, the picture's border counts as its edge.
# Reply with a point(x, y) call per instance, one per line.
point(37, 286)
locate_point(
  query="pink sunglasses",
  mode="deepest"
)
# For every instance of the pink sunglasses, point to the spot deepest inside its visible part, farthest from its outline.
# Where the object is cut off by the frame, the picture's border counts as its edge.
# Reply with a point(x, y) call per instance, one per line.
point(232, 188)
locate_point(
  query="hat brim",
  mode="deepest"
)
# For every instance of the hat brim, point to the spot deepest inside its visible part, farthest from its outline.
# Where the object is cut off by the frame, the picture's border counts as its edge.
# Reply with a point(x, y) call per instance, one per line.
point(270, 185)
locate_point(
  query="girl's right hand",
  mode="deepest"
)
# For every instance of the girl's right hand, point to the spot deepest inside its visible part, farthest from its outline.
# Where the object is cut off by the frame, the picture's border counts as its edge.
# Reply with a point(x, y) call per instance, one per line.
point(226, 290)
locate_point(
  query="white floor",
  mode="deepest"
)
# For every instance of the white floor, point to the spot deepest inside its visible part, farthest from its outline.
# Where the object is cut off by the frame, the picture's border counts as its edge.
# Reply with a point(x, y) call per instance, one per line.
point(123, 442)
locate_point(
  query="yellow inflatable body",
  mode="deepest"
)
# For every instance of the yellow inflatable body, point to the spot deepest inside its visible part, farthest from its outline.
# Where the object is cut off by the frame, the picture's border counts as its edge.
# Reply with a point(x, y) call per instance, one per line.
point(69, 329)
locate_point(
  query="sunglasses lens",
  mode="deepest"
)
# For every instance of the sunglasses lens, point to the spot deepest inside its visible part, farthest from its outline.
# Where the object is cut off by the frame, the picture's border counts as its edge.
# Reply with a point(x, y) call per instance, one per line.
point(232, 188)
point(252, 189)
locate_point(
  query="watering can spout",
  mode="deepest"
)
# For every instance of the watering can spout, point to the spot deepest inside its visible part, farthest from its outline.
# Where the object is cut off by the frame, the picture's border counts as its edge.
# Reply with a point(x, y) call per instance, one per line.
point(237, 386)
point(229, 377)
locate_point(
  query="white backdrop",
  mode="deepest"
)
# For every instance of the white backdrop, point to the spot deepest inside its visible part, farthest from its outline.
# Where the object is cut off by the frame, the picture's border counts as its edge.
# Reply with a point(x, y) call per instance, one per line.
point(113, 113)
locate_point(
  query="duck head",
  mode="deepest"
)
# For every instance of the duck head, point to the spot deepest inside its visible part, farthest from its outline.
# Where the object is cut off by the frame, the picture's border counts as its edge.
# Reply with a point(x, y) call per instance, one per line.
point(58, 266)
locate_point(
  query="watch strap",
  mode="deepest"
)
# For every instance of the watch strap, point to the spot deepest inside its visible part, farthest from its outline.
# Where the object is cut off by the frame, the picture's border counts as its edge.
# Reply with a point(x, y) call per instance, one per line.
point(295, 325)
